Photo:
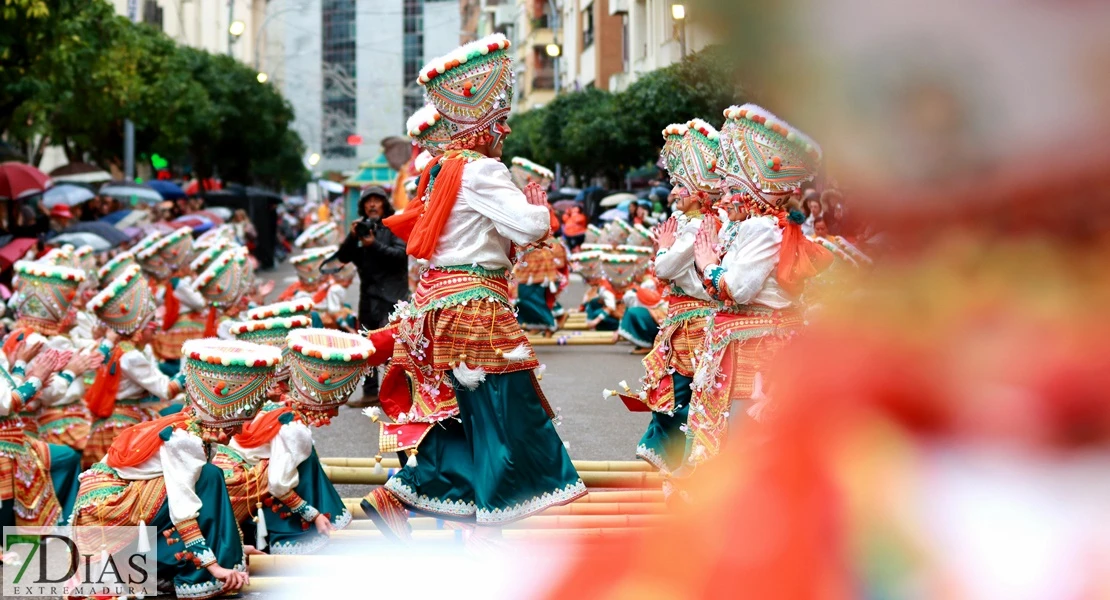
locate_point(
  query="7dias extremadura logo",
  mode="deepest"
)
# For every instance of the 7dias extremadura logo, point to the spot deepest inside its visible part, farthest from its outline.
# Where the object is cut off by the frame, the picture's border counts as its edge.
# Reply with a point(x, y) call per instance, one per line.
point(79, 561)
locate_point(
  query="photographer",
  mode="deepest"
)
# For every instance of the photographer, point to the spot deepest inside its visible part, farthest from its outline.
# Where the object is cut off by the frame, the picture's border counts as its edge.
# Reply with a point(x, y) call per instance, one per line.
point(382, 267)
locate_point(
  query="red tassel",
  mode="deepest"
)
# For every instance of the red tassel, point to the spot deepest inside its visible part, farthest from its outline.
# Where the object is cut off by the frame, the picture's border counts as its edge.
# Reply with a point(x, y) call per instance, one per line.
point(210, 323)
point(290, 292)
point(101, 396)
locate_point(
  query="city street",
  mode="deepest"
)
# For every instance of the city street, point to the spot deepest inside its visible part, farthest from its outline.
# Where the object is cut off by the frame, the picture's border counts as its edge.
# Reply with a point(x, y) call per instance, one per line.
point(594, 428)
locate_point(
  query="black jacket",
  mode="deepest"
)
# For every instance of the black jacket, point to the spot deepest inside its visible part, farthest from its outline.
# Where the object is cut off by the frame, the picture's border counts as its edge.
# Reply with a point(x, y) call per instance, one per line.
point(383, 271)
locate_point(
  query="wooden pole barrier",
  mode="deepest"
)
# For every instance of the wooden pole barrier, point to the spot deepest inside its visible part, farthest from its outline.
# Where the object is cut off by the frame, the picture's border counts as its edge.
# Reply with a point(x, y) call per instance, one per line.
point(623, 466)
point(575, 338)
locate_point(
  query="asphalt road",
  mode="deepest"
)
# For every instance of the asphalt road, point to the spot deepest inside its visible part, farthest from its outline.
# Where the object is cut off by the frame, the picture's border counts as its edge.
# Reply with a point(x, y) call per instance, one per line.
point(594, 428)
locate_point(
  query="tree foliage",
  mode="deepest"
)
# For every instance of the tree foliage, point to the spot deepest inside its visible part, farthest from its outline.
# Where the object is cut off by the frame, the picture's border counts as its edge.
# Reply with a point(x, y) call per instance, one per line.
point(71, 75)
point(597, 134)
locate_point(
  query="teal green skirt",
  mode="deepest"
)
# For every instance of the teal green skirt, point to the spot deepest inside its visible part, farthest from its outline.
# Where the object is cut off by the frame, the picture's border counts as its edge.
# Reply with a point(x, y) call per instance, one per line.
point(499, 462)
point(594, 308)
point(65, 467)
point(531, 308)
point(664, 443)
point(289, 535)
point(221, 532)
point(639, 327)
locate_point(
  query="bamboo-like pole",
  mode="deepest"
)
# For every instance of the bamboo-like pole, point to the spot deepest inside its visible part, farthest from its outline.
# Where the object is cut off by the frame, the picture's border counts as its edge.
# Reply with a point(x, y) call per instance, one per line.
point(575, 338)
point(599, 479)
point(621, 466)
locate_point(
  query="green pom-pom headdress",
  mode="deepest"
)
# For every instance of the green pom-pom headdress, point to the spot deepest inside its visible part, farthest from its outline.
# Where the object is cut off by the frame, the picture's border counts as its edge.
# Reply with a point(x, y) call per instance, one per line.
point(525, 171)
point(168, 254)
point(430, 130)
point(270, 332)
point(300, 307)
point(226, 382)
point(221, 283)
point(115, 267)
point(307, 265)
point(325, 366)
point(472, 86)
point(764, 156)
point(126, 303)
point(44, 294)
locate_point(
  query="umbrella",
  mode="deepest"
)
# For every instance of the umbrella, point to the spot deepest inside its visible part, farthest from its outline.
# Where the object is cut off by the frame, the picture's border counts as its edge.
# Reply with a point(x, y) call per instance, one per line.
point(136, 218)
point(15, 251)
point(18, 180)
point(104, 230)
point(295, 200)
point(196, 186)
point(169, 190)
point(565, 205)
point(67, 194)
point(126, 190)
point(222, 212)
point(617, 199)
point(160, 227)
point(132, 232)
point(83, 238)
point(199, 223)
point(613, 214)
point(80, 173)
point(115, 217)
point(331, 186)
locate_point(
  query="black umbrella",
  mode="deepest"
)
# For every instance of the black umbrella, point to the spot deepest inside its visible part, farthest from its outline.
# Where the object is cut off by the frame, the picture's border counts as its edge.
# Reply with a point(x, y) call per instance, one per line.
point(100, 228)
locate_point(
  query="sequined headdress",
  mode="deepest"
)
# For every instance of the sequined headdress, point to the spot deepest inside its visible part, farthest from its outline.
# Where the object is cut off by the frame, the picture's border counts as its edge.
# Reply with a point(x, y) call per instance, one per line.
point(226, 382)
point(44, 294)
point(429, 130)
point(217, 236)
point(671, 155)
point(126, 303)
point(325, 366)
point(472, 86)
point(167, 254)
point(205, 258)
point(270, 332)
point(525, 171)
point(318, 235)
point(308, 264)
point(115, 267)
point(701, 151)
point(221, 283)
point(765, 156)
point(300, 307)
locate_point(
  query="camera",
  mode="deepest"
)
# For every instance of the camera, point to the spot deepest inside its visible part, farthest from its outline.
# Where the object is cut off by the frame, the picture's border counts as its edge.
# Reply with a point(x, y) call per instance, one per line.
point(365, 227)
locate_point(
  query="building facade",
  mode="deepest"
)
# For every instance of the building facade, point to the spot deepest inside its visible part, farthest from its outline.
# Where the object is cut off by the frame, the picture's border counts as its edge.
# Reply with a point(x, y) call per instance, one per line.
point(655, 39)
point(202, 24)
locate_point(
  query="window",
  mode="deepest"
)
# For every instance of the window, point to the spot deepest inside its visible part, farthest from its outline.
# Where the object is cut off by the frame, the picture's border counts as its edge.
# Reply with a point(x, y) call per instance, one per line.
point(588, 27)
point(413, 54)
point(152, 14)
point(338, 53)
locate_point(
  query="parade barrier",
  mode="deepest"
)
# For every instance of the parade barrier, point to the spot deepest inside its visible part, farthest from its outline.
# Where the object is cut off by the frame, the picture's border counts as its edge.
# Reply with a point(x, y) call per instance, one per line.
point(598, 479)
point(579, 465)
point(574, 338)
point(576, 321)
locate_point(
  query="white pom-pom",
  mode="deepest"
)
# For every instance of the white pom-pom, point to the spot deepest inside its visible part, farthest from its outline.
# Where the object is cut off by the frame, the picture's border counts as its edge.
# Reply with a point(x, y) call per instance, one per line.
point(378, 470)
point(144, 541)
point(607, 393)
point(467, 377)
point(521, 352)
point(411, 462)
point(260, 532)
point(624, 385)
point(374, 413)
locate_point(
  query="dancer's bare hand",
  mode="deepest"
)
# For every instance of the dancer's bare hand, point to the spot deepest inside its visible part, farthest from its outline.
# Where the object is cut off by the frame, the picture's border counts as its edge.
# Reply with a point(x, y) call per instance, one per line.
point(665, 234)
point(705, 248)
point(252, 551)
point(25, 351)
point(83, 361)
point(535, 194)
point(323, 525)
point(233, 580)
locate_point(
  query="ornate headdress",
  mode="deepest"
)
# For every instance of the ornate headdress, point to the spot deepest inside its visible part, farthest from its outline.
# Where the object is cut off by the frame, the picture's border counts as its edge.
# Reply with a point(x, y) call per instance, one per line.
point(44, 294)
point(61, 256)
point(308, 264)
point(300, 307)
point(221, 283)
point(115, 267)
point(205, 258)
point(217, 236)
point(226, 382)
point(318, 235)
point(430, 130)
point(671, 155)
point(701, 151)
point(325, 366)
point(765, 156)
point(85, 258)
point(146, 241)
point(272, 333)
point(472, 86)
point(167, 254)
point(126, 303)
point(525, 171)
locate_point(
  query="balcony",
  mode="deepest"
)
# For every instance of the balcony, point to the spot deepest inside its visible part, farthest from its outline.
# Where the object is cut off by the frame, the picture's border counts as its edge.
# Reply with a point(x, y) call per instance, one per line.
point(618, 7)
point(539, 37)
point(543, 79)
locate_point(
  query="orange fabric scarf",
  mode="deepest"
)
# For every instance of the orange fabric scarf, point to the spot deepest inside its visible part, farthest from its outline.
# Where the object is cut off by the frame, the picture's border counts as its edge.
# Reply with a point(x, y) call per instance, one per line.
point(17, 335)
point(173, 307)
point(101, 397)
point(317, 296)
point(262, 429)
point(422, 224)
point(799, 259)
point(138, 443)
point(210, 323)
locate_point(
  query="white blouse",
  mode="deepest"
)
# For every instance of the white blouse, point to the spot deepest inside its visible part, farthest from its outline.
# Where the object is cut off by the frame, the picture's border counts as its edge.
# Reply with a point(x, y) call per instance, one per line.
point(60, 392)
point(187, 294)
point(179, 461)
point(289, 448)
point(750, 262)
point(141, 376)
point(491, 213)
point(676, 264)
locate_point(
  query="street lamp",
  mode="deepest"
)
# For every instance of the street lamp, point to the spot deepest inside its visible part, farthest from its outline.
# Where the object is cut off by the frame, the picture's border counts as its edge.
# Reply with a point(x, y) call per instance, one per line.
point(553, 50)
point(263, 78)
point(237, 28)
point(678, 12)
point(313, 159)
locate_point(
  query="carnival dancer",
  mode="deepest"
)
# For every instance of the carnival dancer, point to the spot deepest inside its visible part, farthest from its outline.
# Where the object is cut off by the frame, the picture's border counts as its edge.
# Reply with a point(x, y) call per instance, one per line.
point(157, 473)
point(539, 267)
point(319, 235)
point(166, 261)
point(274, 469)
point(758, 271)
point(690, 153)
point(489, 453)
point(642, 317)
point(38, 485)
point(129, 387)
point(338, 313)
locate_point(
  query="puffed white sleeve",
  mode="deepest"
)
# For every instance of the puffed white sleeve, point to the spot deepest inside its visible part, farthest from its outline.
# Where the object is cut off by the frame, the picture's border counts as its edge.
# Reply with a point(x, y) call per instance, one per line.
point(333, 303)
point(291, 446)
point(670, 263)
point(751, 259)
point(82, 332)
point(188, 295)
point(182, 459)
point(223, 330)
point(489, 190)
point(55, 393)
point(143, 370)
point(7, 397)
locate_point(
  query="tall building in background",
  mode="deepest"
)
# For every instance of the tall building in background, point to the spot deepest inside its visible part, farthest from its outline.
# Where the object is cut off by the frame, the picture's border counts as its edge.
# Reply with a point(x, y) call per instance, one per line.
point(203, 24)
point(654, 37)
point(349, 68)
point(535, 69)
point(593, 44)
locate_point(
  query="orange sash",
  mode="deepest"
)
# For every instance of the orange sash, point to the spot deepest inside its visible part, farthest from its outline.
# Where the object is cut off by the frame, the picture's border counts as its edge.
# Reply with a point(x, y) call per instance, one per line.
point(799, 259)
point(422, 224)
point(136, 444)
point(101, 397)
point(262, 429)
point(173, 307)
